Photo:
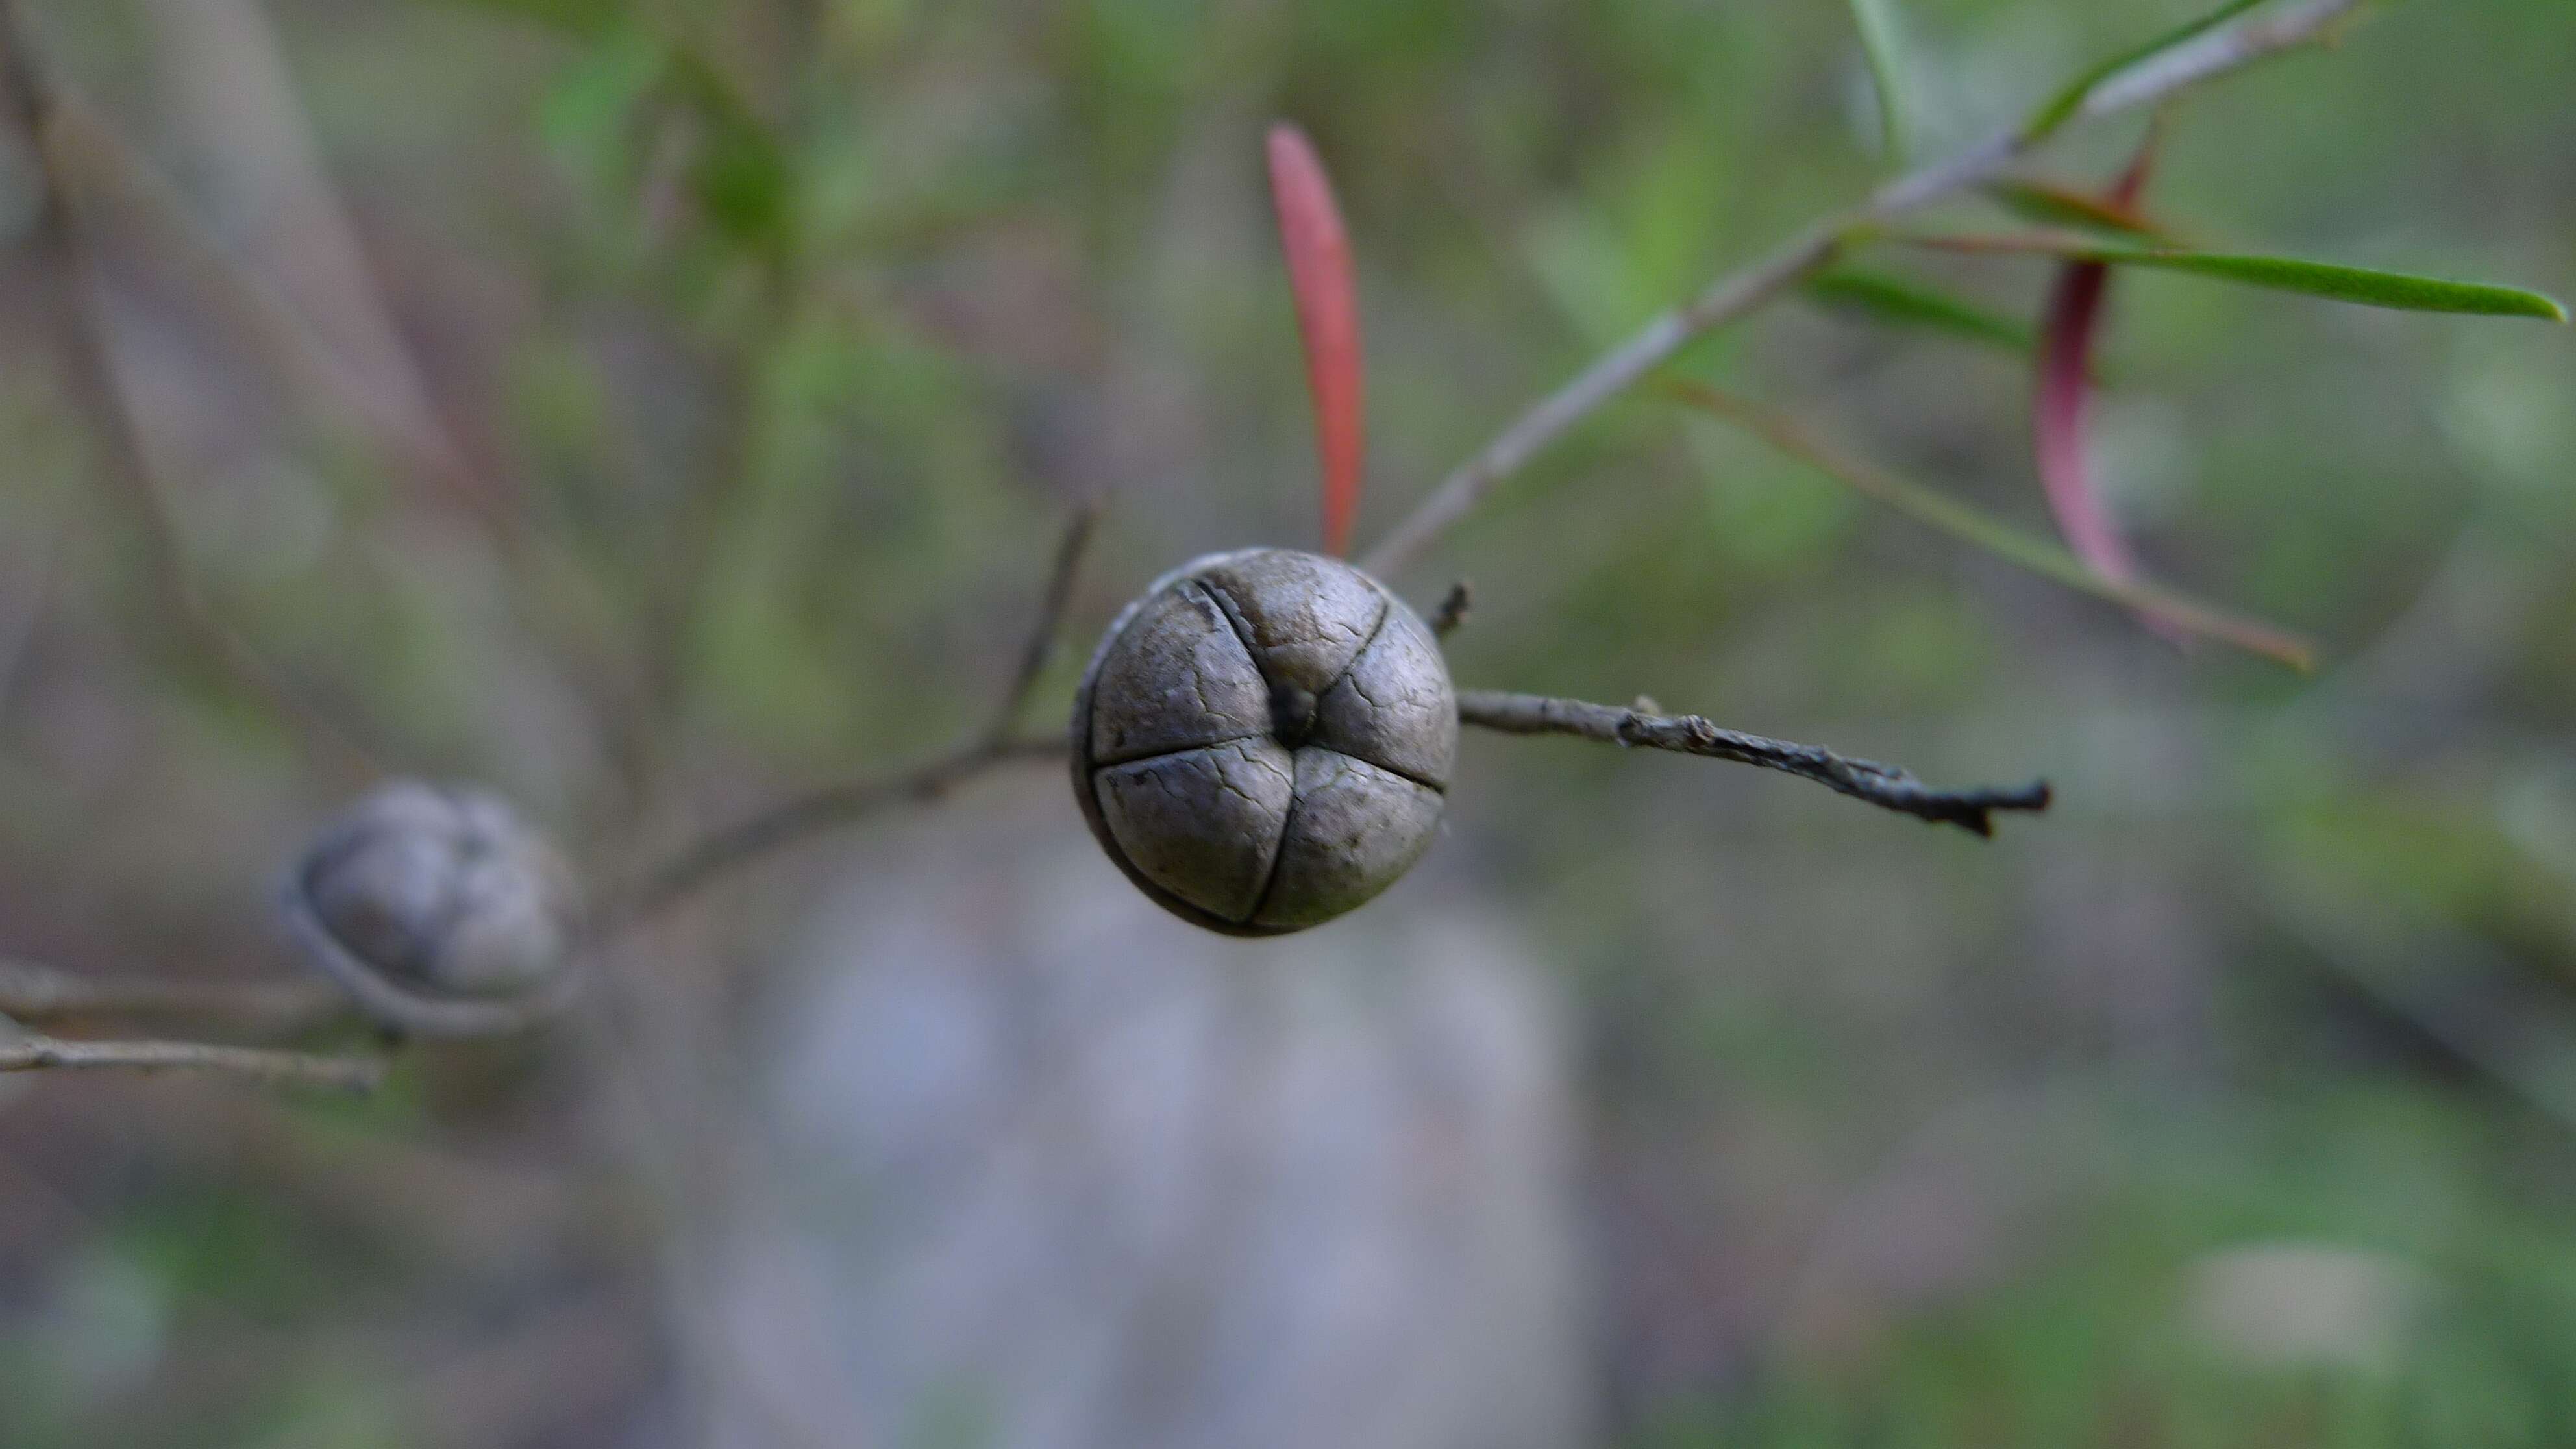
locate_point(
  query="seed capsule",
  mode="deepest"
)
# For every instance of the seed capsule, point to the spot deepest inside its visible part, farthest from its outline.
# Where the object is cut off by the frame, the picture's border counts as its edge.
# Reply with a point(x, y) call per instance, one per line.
point(439, 910)
point(1263, 741)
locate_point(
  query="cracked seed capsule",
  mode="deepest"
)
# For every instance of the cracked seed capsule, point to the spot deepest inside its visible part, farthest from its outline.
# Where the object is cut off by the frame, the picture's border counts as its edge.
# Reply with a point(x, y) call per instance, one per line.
point(1263, 741)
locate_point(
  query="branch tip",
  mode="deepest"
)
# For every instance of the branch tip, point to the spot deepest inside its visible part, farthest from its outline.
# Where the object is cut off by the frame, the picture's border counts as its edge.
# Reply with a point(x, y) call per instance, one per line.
point(1885, 786)
point(1453, 609)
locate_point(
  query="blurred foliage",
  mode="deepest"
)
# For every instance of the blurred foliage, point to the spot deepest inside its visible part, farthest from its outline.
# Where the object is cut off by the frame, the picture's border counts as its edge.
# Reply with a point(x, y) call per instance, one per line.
point(782, 332)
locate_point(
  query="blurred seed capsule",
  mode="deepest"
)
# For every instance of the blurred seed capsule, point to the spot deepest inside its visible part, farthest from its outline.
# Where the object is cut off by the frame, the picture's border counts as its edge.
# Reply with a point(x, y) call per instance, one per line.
point(439, 910)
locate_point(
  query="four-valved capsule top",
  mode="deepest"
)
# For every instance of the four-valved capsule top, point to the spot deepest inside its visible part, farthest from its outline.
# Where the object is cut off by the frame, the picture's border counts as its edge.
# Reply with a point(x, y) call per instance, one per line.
point(1263, 741)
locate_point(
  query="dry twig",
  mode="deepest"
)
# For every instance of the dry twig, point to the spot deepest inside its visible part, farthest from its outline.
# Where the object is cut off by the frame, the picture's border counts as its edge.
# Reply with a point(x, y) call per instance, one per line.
point(45, 1053)
point(33, 992)
point(794, 821)
point(1885, 786)
point(1737, 293)
point(1042, 632)
point(802, 817)
point(1453, 609)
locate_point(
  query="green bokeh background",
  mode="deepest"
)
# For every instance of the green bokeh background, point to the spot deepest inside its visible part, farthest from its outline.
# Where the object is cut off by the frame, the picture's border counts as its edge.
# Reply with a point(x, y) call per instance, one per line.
point(2288, 970)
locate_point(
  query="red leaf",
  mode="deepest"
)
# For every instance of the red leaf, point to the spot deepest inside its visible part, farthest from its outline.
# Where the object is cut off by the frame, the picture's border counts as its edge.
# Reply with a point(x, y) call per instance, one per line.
point(2059, 412)
point(1319, 273)
point(2061, 405)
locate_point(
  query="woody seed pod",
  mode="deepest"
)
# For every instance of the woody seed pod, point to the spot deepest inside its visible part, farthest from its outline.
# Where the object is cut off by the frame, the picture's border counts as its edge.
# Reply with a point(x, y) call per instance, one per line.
point(438, 910)
point(1263, 741)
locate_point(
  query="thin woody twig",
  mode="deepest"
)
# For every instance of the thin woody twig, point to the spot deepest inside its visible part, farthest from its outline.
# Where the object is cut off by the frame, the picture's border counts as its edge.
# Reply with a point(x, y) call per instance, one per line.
point(802, 817)
point(1885, 786)
point(45, 1053)
point(1732, 296)
point(31, 992)
point(1050, 619)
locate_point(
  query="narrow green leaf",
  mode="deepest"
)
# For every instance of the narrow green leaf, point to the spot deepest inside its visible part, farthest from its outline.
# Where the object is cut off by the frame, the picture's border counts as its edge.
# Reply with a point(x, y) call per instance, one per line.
point(2062, 106)
point(2404, 291)
point(2052, 205)
point(1994, 536)
point(1902, 302)
point(1882, 41)
point(2401, 290)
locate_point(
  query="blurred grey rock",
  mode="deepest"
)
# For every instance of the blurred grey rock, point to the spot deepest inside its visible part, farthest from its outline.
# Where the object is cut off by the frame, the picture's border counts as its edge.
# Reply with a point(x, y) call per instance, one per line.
point(1042, 1168)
